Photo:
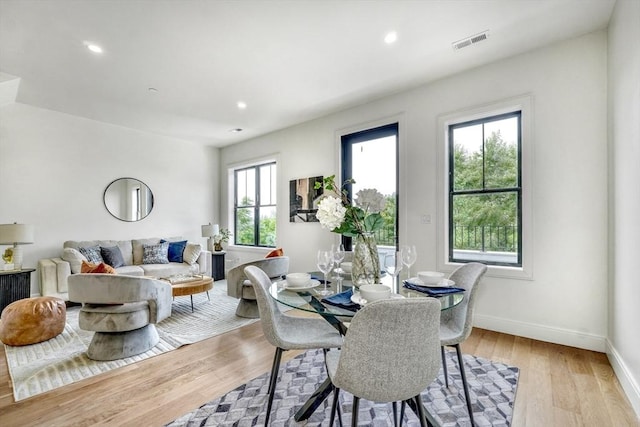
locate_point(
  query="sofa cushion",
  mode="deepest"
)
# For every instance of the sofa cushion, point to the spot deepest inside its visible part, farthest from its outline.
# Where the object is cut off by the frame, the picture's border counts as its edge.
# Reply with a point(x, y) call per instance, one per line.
point(191, 253)
point(112, 256)
point(125, 246)
point(155, 254)
point(92, 253)
point(88, 267)
point(176, 249)
point(74, 258)
point(167, 270)
point(130, 270)
point(138, 248)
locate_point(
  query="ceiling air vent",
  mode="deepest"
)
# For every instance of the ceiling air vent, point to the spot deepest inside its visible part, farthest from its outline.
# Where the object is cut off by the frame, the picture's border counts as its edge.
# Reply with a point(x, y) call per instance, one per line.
point(468, 41)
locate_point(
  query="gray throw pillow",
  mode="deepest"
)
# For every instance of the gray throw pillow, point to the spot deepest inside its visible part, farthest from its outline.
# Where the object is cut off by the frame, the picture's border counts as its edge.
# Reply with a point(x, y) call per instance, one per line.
point(112, 256)
point(92, 253)
point(155, 254)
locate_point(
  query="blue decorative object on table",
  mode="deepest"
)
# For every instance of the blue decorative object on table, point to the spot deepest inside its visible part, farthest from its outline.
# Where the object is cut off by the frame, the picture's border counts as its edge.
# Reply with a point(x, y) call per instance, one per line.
point(434, 291)
point(342, 300)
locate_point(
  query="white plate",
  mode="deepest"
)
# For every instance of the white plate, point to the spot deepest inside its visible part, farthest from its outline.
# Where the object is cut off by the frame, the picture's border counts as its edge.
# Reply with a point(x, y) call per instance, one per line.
point(444, 283)
point(312, 284)
point(356, 298)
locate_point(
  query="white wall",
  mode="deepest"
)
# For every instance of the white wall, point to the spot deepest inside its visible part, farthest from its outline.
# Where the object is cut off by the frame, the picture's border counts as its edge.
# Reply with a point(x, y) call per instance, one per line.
point(566, 301)
point(55, 167)
point(624, 224)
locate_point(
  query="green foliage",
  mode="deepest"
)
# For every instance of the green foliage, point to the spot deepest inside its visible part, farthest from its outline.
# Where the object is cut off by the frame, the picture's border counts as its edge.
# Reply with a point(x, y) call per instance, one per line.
point(494, 169)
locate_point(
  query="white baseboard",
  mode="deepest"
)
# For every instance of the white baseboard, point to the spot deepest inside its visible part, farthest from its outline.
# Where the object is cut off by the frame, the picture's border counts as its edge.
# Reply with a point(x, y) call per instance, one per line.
point(628, 383)
point(542, 333)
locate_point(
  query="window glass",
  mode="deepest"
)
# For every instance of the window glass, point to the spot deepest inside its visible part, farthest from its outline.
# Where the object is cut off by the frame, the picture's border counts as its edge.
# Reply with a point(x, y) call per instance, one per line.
point(255, 205)
point(485, 212)
point(370, 158)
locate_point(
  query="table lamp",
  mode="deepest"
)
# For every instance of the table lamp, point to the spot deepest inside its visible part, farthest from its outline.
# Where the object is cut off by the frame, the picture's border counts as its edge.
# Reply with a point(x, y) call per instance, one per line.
point(16, 235)
point(210, 231)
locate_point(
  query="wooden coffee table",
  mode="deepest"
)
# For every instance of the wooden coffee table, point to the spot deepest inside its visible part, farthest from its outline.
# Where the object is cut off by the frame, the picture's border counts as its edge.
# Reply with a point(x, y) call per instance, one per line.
point(191, 287)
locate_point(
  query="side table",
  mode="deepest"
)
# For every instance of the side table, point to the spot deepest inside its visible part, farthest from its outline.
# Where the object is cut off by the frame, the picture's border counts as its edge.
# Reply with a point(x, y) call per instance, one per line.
point(14, 285)
point(217, 264)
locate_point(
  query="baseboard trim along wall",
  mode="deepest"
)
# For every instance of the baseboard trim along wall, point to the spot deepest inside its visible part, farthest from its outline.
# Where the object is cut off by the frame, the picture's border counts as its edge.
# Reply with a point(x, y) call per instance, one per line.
point(628, 383)
point(542, 333)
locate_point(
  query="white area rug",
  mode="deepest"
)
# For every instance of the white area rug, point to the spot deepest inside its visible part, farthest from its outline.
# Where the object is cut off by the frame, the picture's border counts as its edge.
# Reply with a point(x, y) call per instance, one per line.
point(39, 368)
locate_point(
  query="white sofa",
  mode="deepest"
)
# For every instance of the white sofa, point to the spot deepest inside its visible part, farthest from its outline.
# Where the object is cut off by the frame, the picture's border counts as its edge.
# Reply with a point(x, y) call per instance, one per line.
point(54, 272)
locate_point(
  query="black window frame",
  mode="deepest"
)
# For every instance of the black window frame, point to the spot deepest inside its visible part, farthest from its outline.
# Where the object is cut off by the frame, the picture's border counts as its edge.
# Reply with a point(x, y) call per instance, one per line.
point(257, 205)
point(517, 189)
point(347, 141)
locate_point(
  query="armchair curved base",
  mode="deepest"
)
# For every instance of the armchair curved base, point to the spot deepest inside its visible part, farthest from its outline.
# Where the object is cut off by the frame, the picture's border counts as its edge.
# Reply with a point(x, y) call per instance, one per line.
point(119, 345)
point(248, 308)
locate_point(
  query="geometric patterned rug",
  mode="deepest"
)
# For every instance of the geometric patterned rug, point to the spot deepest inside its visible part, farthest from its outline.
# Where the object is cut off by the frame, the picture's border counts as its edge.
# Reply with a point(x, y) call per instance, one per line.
point(492, 387)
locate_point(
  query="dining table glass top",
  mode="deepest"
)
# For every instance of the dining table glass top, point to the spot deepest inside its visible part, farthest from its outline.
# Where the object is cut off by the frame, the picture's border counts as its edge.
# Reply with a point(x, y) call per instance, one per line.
point(309, 300)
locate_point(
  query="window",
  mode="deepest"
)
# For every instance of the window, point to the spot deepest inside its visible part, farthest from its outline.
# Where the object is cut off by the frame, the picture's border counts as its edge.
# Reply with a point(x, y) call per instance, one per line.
point(370, 157)
point(485, 190)
point(255, 205)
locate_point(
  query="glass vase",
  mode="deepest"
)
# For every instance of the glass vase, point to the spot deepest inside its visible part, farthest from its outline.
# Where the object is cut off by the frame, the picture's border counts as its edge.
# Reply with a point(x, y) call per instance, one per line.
point(366, 264)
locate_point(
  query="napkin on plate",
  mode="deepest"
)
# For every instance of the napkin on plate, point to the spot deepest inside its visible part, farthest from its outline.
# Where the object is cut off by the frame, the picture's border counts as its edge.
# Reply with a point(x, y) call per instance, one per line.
point(432, 290)
point(342, 300)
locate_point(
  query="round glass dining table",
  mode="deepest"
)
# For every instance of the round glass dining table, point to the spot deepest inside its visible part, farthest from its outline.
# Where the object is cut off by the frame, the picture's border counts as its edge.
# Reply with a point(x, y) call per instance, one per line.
point(309, 300)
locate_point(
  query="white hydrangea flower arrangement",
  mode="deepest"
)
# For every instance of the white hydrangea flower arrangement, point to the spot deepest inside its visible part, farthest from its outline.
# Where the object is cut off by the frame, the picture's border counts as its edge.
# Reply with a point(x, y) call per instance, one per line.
point(338, 214)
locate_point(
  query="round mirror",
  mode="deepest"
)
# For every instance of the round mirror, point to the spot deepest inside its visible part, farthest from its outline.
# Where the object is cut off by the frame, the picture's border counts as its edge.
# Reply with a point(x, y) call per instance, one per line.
point(128, 199)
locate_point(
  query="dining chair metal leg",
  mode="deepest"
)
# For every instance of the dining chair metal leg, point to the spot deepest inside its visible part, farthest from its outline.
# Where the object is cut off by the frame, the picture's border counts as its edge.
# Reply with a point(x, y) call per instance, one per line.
point(444, 367)
point(395, 413)
point(354, 411)
point(420, 407)
point(334, 406)
point(272, 382)
point(465, 386)
point(403, 405)
point(339, 415)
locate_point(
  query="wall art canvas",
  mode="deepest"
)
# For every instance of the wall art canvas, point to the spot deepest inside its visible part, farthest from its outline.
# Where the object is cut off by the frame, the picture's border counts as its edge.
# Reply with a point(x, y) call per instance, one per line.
point(304, 199)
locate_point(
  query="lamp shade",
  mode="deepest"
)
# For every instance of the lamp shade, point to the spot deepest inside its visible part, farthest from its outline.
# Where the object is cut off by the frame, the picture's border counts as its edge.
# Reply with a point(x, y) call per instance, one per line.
point(210, 230)
point(16, 234)
point(207, 230)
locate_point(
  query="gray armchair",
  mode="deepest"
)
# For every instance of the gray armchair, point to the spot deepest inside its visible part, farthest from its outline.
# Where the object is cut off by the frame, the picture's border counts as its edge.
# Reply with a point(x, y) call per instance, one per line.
point(239, 286)
point(122, 310)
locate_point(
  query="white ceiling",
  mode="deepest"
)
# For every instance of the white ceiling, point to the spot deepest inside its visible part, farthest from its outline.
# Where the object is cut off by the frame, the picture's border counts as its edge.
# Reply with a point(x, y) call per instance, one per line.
point(290, 61)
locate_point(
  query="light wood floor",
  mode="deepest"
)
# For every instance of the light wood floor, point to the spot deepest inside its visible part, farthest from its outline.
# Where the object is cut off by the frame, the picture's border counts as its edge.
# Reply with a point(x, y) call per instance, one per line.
point(559, 386)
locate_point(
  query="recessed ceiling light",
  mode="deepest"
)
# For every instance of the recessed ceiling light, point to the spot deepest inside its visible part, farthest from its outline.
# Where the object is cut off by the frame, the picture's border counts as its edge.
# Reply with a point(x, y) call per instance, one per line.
point(153, 90)
point(94, 48)
point(242, 105)
point(236, 130)
point(391, 37)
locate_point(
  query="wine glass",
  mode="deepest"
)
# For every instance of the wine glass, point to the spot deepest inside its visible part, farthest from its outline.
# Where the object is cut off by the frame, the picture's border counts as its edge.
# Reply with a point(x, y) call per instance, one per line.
point(338, 256)
point(324, 263)
point(409, 256)
point(393, 266)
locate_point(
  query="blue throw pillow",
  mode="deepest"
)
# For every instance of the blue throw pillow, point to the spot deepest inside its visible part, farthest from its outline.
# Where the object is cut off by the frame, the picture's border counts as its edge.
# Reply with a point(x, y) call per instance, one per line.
point(112, 256)
point(176, 249)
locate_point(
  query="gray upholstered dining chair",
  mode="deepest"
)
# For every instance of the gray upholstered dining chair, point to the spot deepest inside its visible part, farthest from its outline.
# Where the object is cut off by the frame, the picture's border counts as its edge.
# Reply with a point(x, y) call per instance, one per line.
point(287, 332)
point(456, 324)
point(238, 285)
point(390, 354)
